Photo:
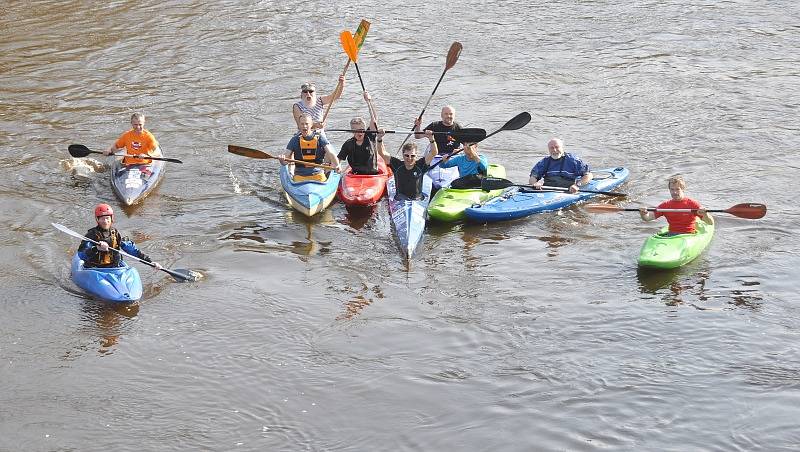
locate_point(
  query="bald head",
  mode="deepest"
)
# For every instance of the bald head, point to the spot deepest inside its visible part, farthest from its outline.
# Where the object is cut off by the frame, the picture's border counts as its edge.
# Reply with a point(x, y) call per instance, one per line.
point(448, 115)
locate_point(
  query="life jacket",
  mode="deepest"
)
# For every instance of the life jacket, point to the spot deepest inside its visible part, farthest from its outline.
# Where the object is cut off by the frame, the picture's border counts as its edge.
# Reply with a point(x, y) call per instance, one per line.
point(107, 257)
point(308, 149)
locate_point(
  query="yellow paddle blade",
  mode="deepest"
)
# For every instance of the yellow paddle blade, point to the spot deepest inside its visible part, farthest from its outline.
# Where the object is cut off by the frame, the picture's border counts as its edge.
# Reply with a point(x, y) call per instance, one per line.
point(361, 33)
point(349, 45)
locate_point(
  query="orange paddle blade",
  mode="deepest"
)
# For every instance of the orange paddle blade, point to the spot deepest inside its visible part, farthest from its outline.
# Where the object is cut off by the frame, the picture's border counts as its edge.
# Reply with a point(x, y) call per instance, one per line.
point(349, 45)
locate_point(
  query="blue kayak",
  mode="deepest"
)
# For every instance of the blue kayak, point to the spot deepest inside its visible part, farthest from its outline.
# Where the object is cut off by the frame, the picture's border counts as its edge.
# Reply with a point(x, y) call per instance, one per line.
point(117, 284)
point(409, 216)
point(519, 203)
point(309, 197)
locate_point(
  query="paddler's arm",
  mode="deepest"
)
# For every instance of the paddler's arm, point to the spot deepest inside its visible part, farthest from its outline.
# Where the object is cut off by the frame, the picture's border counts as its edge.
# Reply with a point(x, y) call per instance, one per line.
point(331, 157)
point(417, 133)
point(334, 94)
point(585, 179)
point(705, 216)
point(382, 149)
point(646, 214)
point(434, 148)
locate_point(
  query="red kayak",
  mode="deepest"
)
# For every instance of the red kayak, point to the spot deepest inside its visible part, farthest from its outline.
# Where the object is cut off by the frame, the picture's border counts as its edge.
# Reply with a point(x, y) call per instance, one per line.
point(364, 189)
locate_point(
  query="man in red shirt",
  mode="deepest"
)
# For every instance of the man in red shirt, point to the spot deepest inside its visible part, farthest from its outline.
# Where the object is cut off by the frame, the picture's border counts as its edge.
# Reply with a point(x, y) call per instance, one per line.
point(679, 222)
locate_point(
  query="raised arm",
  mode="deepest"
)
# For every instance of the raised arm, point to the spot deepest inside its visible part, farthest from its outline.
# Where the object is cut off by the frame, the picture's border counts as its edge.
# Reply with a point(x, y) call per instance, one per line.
point(434, 148)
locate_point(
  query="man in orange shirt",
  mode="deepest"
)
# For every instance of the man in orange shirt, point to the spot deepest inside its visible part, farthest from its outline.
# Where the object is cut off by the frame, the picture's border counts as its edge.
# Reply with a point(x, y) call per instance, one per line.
point(136, 141)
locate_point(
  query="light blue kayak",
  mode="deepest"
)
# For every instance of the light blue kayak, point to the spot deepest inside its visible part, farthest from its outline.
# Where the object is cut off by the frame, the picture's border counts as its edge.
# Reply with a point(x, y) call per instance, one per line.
point(518, 203)
point(408, 217)
point(310, 197)
point(116, 284)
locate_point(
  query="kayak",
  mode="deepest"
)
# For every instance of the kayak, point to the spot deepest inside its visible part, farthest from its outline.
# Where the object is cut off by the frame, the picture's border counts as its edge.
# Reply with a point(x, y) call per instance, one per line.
point(117, 284)
point(672, 252)
point(132, 183)
point(441, 177)
point(408, 217)
point(449, 203)
point(521, 202)
point(309, 197)
point(364, 189)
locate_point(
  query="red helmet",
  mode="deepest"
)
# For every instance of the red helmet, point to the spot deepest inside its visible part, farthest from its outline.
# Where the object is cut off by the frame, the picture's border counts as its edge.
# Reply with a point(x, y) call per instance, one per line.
point(102, 210)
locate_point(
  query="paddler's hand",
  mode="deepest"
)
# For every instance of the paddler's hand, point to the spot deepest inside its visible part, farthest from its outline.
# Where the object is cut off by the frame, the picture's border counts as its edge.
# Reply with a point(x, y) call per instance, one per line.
point(157, 265)
point(367, 97)
point(381, 133)
point(282, 159)
point(573, 189)
point(102, 246)
point(538, 184)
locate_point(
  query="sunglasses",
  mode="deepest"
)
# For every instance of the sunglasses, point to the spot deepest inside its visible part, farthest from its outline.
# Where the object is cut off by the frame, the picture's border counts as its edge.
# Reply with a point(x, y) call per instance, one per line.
point(359, 131)
point(409, 155)
point(309, 91)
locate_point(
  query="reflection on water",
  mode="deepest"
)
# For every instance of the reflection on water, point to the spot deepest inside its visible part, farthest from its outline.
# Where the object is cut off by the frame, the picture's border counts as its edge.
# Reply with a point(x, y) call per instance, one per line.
point(361, 297)
point(110, 320)
point(689, 285)
point(359, 216)
point(265, 239)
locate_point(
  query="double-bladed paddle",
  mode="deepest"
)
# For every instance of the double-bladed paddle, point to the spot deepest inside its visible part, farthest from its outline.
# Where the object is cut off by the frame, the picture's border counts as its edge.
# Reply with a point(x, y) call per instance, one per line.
point(256, 154)
point(749, 210)
point(79, 150)
point(178, 274)
point(468, 135)
point(496, 183)
point(360, 36)
point(515, 123)
point(452, 58)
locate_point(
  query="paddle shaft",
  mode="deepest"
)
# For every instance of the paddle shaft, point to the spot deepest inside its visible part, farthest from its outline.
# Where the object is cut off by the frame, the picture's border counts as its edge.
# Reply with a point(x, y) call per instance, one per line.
point(66, 230)
point(85, 151)
point(452, 57)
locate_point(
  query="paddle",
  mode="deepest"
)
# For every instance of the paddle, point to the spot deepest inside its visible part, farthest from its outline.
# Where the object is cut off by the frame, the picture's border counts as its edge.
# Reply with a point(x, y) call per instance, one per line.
point(79, 150)
point(256, 154)
point(749, 210)
point(360, 35)
point(179, 274)
point(496, 183)
point(468, 135)
point(515, 123)
point(452, 58)
point(351, 49)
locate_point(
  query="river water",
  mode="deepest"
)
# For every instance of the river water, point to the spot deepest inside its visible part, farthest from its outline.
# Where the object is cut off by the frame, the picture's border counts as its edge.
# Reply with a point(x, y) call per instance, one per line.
point(537, 334)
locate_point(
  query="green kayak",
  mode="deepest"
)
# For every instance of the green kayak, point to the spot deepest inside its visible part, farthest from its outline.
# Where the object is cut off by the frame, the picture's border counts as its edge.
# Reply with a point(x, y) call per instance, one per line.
point(449, 203)
point(672, 252)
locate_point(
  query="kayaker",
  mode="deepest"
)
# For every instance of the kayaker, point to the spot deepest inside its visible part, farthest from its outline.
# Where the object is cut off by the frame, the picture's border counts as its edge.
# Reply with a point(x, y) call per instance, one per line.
point(313, 105)
point(447, 144)
point(408, 173)
point(100, 255)
point(472, 167)
point(137, 141)
point(360, 149)
point(560, 169)
point(310, 146)
point(679, 222)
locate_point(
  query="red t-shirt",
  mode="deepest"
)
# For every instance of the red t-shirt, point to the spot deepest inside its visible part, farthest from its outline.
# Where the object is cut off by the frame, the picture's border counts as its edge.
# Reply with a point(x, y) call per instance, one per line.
point(680, 222)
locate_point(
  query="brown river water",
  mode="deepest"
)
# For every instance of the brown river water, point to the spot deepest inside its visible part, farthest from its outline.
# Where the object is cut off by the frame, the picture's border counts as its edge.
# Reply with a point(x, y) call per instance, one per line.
point(313, 335)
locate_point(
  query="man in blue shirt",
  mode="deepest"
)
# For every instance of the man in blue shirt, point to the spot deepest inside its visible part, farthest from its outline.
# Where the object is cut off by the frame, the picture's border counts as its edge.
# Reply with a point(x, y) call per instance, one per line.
point(560, 169)
point(472, 167)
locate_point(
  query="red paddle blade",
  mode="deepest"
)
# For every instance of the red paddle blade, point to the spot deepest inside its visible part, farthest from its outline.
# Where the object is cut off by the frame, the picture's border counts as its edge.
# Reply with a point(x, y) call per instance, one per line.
point(452, 55)
point(748, 210)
